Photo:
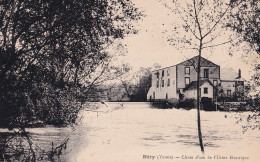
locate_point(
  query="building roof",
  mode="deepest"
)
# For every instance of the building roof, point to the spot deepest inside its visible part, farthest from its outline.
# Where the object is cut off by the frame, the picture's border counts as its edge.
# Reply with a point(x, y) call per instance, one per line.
point(229, 74)
point(192, 61)
point(163, 68)
point(193, 85)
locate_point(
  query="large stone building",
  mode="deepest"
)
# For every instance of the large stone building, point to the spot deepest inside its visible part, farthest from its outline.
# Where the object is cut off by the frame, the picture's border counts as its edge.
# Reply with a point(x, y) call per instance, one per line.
point(180, 81)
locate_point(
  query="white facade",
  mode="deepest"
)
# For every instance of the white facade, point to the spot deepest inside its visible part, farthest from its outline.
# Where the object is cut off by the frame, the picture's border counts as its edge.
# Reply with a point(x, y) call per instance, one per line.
point(228, 87)
point(163, 84)
point(177, 81)
point(206, 89)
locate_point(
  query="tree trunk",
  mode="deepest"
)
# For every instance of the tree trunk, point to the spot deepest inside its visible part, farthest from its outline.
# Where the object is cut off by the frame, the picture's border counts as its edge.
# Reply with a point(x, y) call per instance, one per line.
point(198, 99)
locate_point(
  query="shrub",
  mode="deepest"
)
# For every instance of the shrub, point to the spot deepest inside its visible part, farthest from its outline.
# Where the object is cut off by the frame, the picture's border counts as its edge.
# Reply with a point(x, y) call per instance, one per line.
point(187, 103)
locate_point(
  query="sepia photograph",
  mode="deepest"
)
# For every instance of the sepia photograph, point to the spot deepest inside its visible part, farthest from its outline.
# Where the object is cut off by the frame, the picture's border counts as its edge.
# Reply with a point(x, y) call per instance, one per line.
point(130, 80)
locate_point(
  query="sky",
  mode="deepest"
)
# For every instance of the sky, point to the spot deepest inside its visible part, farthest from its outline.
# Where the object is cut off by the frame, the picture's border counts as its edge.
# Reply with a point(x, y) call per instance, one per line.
point(150, 45)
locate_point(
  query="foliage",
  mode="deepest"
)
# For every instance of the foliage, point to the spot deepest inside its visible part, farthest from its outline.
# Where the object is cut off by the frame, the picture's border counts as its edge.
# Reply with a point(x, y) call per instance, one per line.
point(138, 83)
point(253, 122)
point(255, 88)
point(53, 52)
point(249, 122)
point(187, 103)
point(245, 21)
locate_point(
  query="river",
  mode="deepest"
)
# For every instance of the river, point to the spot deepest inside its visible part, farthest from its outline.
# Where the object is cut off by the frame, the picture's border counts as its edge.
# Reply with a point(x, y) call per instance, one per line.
point(137, 132)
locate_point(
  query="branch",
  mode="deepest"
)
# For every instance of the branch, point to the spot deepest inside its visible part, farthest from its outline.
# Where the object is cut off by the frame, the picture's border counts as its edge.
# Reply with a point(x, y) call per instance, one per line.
point(197, 20)
point(98, 83)
point(27, 136)
point(188, 41)
point(192, 63)
point(200, 8)
point(216, 23)
point(101, 73)
point(188, 12)
point(212, 39)
point(193, 48)
point(187, 24)
point(217, 44)
point(92, 69)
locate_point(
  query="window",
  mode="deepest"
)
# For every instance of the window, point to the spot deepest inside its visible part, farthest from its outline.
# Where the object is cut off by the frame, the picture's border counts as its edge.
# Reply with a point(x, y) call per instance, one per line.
point(168, 83)
point(229, 93)
point(166, 95)
point(206, 73)
point(157, 74)
point(168, 72)
point(162, 73)
point(215, 82)
point(187, 80)
point(157, 83)
point(187, 70)
point(162, 83)
point(205, 91)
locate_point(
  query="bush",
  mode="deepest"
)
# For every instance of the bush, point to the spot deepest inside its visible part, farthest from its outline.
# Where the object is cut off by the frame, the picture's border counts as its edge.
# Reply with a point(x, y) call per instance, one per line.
point(207, 104)
point(187, 103)
point(38, 103)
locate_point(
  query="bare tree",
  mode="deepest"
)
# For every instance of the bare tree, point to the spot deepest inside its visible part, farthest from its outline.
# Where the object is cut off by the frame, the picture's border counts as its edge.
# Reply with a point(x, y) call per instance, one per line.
point(202, 26)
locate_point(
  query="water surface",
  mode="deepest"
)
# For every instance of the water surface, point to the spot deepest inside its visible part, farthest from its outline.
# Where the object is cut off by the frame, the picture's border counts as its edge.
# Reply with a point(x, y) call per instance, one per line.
point(128, 131)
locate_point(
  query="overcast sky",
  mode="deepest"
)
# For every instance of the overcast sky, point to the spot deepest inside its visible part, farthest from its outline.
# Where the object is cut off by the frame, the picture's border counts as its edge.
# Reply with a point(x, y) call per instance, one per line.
point(150, 45)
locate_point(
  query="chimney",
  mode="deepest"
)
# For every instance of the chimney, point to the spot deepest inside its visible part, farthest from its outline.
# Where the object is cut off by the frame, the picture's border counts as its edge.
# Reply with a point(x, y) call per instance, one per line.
point(239, 74)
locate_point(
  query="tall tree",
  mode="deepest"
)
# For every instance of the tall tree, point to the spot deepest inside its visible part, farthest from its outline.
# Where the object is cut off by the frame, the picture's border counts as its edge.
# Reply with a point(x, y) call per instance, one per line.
point(52, 51)
point(245, 20)
point(202, 25)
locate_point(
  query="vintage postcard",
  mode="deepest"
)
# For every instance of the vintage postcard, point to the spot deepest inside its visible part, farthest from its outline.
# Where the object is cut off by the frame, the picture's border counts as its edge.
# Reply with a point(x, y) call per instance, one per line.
point(130, 80)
